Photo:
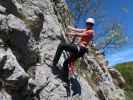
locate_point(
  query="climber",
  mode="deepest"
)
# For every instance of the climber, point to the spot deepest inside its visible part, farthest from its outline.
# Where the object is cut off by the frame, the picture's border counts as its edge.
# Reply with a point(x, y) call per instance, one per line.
point(79, 50)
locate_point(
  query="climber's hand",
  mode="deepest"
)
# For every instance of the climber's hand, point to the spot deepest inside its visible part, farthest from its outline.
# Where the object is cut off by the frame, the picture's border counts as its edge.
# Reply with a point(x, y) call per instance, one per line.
point(66, 34)
point(69, 28)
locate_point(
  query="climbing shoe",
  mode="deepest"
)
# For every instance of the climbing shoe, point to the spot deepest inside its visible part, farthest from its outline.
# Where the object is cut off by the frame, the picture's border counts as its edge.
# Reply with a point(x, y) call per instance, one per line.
point(54, 64)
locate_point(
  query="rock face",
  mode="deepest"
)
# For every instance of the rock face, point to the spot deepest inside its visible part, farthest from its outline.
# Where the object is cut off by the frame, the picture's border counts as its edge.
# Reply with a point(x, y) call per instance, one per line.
point(30, 31)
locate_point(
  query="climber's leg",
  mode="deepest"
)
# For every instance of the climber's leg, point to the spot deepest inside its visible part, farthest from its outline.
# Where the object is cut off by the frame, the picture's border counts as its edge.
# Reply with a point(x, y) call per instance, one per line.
point(65, 71)
point(66, 68)
point(82, 51)
point(72, 48)
point(71, 67)
point(65, 77)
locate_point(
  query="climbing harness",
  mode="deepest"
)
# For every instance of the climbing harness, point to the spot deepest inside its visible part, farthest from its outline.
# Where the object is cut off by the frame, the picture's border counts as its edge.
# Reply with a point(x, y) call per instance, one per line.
point(72, 68)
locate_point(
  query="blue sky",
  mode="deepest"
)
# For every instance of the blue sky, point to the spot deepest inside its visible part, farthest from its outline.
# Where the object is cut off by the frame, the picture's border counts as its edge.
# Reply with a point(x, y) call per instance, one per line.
point(121, 9)
point(121, 56)
point(118, 10)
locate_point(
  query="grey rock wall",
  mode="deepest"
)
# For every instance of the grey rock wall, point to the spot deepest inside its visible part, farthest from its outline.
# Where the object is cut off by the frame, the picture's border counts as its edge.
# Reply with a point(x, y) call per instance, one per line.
point(30, 31)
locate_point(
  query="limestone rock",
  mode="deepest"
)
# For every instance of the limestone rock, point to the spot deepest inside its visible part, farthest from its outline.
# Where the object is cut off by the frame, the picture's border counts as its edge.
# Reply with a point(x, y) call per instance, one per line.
point(2, 9)
point(30, 31)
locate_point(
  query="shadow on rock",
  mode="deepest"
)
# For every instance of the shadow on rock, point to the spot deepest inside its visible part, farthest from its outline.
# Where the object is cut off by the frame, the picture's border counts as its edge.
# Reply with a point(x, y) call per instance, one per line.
point(10, 7)
point(72, 85)
point(76, 88)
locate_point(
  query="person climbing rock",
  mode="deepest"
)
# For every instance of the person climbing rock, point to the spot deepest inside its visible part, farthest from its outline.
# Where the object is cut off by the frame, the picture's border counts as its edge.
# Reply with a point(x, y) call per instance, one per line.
point(75, 50)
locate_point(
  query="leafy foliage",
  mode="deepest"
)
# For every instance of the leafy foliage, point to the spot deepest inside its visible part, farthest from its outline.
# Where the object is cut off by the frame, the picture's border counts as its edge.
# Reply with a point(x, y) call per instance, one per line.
point(126, 70)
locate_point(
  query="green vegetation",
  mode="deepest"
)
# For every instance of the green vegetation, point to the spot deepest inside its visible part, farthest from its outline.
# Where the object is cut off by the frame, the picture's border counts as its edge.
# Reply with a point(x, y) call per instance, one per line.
point(126, 70)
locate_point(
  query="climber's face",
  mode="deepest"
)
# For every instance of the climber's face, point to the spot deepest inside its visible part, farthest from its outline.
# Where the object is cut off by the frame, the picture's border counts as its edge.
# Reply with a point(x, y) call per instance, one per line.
point(89, 25)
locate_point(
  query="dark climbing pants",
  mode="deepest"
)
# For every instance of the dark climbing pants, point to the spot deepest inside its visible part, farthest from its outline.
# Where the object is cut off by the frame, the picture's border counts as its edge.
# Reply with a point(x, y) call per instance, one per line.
point(75, 51)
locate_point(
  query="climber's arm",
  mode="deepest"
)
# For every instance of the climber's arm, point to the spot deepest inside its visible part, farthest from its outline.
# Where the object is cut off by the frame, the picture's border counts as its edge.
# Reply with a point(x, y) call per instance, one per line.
point(76, 34)
point(76, 29)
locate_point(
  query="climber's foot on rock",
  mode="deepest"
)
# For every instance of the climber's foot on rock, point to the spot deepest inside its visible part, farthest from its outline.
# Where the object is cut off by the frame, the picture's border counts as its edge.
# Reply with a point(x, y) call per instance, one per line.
point(58, 66)
point(54, 64)
point(55, 69)
point(65, 84)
